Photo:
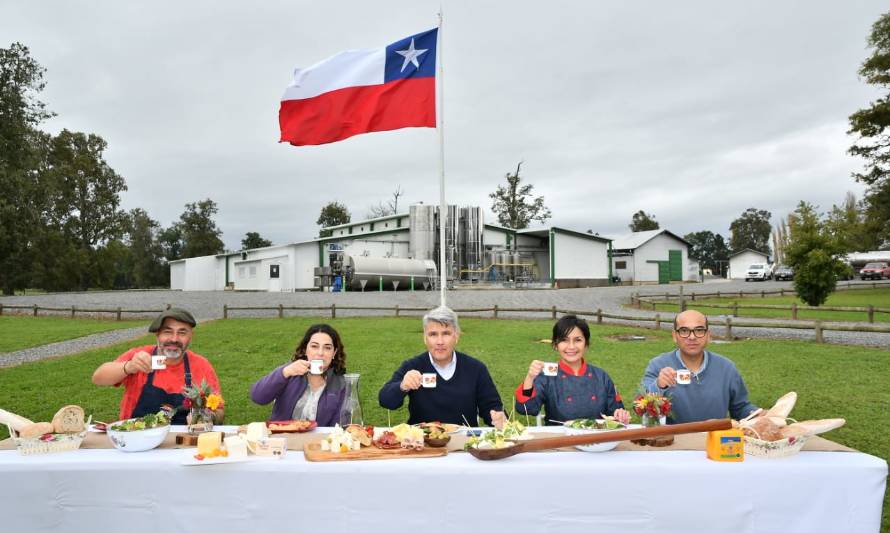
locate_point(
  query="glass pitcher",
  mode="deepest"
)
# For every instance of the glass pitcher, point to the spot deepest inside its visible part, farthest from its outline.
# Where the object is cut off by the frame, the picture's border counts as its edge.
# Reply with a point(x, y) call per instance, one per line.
point(351, 411)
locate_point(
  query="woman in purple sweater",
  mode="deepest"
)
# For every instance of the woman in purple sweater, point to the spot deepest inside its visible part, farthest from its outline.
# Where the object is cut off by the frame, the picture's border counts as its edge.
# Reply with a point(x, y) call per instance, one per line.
point(304, 389)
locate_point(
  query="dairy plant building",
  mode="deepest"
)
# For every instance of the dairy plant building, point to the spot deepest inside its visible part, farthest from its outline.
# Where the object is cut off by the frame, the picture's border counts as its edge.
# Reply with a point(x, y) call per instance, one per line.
point(401, 252)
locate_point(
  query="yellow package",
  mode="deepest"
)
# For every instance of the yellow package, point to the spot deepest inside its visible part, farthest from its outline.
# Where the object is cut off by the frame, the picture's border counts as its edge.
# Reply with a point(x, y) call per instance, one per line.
point(727, 445)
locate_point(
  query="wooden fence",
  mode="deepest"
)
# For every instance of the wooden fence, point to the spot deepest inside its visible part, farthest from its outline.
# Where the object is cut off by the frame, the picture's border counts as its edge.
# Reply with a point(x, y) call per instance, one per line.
point(682, 302)
point(817, 326)
point(73, 310)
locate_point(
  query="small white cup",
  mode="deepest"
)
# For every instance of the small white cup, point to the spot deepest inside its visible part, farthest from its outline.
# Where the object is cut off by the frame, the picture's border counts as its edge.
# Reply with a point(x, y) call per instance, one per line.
point(551, 369)
point(429, 380)
point(158, 362)
point(684, 377)
point(315, 366)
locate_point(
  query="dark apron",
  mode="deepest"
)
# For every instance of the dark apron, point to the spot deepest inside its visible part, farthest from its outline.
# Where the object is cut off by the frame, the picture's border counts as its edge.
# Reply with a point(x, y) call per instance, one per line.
point(152, 398)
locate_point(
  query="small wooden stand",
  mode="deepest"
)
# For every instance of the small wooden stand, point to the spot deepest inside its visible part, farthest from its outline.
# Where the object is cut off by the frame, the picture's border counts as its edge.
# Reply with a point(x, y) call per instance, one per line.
point(186, 439)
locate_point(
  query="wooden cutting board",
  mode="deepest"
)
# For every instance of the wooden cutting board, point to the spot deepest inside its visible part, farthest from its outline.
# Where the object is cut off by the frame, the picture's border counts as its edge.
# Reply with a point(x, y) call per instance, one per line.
point(313, 452)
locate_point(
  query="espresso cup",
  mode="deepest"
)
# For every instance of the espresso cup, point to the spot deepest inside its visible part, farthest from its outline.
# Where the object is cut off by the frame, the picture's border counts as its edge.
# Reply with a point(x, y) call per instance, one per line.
point(684, 377)
point(158, 362)
point(429, 380)
point(315, 366)
point(551, 369)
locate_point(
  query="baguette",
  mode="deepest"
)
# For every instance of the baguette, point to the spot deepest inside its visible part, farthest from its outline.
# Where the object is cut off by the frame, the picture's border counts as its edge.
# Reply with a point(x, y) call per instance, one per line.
point(13, 420)
point(35, 430)
point(69, 419)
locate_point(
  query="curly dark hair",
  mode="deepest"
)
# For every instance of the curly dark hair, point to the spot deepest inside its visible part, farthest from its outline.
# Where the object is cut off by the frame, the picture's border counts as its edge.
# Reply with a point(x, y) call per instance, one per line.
point(338, 363)
point(565, 325)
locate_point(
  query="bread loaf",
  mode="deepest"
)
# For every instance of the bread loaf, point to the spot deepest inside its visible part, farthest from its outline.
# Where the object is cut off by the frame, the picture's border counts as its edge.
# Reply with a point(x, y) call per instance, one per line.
point(13, 420)
point(69, 419)
point(35, 430)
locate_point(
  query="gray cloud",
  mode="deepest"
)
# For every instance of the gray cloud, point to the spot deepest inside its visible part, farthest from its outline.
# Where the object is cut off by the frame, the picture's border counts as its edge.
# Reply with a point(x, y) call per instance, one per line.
point(693, 111)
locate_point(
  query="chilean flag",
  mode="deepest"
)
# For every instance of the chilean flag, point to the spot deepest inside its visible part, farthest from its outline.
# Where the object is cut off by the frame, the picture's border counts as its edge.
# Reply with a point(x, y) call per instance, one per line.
point(360, 91)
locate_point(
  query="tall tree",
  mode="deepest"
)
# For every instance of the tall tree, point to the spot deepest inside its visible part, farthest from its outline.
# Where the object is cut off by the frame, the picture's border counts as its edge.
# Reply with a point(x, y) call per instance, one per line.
point(643, 221)
point(200, 236)
point(813, 253)
point(88, 194)
point(332, 214)
point(780, 242)
point(751, 230)
point(146, 250)
point(514, 206)
point(391, 207)
point(848, 225)
point(22, 196)
point(870, 125)
point(253, 240)
point(709, 248)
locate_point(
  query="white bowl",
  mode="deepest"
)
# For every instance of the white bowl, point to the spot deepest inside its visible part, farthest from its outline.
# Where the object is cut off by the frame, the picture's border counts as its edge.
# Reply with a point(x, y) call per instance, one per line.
point(137, 441)
point(602, 446)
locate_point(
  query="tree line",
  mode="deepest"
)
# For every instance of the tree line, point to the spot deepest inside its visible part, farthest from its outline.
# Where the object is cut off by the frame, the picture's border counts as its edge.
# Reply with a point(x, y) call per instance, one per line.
point(61, 222)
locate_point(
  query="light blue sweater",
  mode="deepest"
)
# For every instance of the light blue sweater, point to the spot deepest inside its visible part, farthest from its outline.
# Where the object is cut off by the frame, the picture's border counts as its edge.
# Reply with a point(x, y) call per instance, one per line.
point(718, 388)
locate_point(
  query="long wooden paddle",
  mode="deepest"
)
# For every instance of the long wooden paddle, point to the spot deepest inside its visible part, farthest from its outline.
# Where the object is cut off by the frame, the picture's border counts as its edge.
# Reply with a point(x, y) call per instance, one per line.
point(604, 436)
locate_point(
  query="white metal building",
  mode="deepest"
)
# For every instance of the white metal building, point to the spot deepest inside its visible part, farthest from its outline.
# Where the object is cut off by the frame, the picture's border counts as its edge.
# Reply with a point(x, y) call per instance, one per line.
point(740, 261)
point(655, 256)
point(556, 257)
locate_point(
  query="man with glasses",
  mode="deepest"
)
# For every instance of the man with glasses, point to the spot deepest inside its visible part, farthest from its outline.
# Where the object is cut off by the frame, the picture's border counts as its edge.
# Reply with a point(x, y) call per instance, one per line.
point(714, 386)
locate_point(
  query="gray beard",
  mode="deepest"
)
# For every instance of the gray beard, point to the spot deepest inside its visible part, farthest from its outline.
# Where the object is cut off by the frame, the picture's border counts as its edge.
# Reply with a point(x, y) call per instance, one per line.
point(172, 353)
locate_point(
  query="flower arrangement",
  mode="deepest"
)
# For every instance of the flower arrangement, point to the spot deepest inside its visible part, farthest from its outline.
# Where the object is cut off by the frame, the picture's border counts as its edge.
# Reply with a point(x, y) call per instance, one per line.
point(652, 405)
point(201, 402)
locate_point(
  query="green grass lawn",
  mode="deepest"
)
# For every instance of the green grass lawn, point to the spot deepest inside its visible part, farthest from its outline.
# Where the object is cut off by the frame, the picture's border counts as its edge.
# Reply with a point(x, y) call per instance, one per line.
point(831, 381)
point(851, 298)
point(20, 332)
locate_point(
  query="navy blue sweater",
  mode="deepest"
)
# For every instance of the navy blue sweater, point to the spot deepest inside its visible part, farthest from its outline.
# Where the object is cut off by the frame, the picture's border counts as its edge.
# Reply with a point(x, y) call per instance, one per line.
point(469, 393)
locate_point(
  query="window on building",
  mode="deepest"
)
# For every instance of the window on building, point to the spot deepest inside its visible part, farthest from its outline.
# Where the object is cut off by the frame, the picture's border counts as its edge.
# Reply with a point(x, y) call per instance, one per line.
point(273, 271)
point(242, 272)
point(620, 265)
point(252, 272)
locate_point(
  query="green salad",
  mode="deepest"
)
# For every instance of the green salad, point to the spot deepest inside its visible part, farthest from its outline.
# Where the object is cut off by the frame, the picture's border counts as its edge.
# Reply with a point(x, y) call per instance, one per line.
point(589, 423)
point(146, 422)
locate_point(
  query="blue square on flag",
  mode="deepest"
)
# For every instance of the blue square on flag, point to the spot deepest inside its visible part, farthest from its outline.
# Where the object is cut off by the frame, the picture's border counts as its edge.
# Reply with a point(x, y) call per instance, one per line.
point(412, 57)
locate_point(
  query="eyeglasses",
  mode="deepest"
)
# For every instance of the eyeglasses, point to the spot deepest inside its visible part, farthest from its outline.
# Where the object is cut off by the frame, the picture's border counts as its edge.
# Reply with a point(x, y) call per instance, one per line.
point(699, 332)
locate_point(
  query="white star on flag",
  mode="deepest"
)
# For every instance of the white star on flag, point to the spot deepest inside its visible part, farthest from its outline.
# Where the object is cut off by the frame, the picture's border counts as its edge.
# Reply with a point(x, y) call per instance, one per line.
point(410, 55)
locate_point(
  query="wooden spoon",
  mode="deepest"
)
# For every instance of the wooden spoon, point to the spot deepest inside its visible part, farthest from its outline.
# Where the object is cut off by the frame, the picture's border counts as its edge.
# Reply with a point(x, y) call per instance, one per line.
point(595, 438)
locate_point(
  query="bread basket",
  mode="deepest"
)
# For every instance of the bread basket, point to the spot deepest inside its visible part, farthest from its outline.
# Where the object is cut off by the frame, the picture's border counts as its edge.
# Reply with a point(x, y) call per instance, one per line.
point(60, 442)
point(776, 448)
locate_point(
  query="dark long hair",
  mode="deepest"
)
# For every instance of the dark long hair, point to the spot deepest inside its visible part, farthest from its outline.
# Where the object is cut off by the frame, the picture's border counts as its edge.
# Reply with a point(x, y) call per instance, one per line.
point(565, 325)
point(338, 363)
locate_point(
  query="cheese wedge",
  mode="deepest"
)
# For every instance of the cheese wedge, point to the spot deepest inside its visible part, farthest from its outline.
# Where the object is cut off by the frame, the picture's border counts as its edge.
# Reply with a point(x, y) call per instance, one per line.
point(209, 443)
point(257, 431)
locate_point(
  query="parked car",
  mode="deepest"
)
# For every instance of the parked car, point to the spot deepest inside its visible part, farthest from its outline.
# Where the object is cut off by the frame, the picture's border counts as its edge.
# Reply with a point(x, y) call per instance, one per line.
point(784, 273)
point(875, 271)
point(758, 272)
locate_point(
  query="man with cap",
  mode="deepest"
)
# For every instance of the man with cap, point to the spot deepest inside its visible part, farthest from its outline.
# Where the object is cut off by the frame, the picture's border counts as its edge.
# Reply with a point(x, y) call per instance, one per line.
point(147, 390)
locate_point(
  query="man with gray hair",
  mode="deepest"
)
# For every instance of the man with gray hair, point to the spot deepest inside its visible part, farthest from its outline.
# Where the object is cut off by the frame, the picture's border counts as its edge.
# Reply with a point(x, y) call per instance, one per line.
point(442, 384)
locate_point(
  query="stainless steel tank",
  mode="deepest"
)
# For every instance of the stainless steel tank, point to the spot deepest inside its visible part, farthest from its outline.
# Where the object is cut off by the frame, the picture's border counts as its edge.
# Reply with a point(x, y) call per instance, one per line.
point(374, 270)
point(422, 232)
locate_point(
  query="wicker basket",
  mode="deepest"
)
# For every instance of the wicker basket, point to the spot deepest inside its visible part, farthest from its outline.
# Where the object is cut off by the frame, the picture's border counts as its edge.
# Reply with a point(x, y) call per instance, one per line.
point(62, 442)
point(774, 449)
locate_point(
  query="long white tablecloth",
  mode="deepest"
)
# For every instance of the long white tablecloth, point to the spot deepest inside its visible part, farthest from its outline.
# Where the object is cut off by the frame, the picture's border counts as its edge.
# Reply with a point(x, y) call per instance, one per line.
point(99, 490)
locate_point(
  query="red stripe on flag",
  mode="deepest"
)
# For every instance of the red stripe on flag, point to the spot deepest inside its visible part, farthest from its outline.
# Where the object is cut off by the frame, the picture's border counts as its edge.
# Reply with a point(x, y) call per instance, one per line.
point(337, 115)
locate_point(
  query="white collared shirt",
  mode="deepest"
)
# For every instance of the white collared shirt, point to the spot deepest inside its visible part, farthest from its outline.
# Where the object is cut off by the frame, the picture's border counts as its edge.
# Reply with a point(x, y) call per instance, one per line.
point(445, 372)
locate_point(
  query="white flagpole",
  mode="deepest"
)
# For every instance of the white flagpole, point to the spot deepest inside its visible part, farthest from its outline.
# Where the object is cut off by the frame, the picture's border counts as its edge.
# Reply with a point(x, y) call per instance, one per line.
point(440, 115)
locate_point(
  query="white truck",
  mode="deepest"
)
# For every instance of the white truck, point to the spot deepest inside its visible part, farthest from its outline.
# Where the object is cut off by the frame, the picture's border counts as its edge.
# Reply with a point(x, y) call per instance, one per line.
point(759, 272)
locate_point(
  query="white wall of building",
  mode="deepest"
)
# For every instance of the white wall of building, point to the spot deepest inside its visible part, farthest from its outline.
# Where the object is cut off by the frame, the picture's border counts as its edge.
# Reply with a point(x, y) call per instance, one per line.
point(738, 264)
point(198, 273)
point(638, 266)
point(177, 275)
point(579, 258)
point(494, 238)
point(305, 259)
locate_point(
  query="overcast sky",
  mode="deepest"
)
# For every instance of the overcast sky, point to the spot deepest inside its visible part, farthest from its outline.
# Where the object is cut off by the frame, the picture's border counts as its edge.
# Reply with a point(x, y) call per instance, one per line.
point(693, 111)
